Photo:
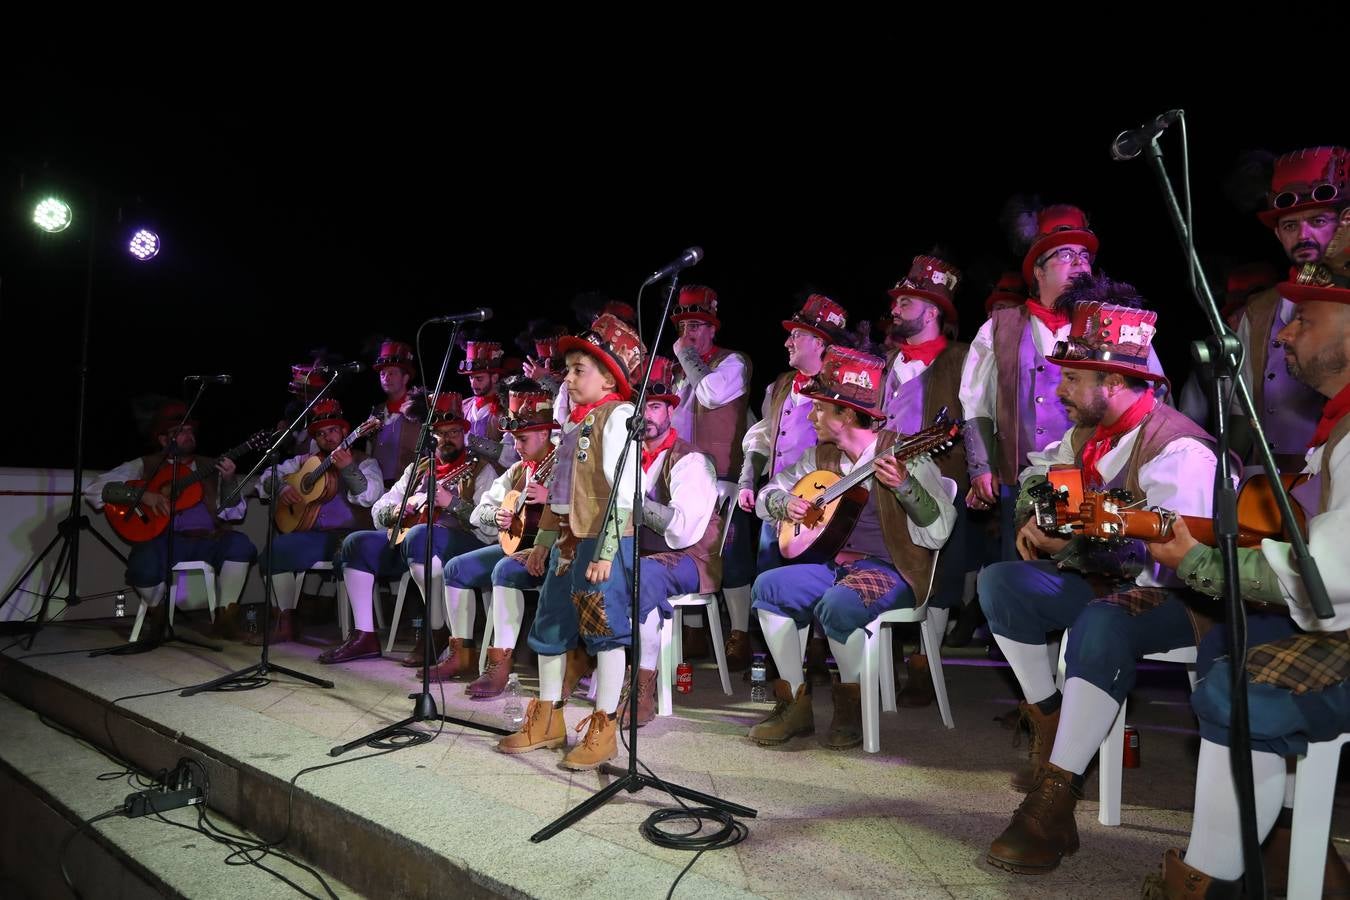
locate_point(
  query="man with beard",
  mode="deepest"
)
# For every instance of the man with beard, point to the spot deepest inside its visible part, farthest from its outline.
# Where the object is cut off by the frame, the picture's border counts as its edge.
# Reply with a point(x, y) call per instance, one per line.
point(395, 444)
point(482, 365)
point(1119, 609)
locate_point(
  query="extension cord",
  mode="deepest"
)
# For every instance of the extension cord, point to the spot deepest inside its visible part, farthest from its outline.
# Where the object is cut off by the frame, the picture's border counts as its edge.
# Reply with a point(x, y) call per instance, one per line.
point(143, 803)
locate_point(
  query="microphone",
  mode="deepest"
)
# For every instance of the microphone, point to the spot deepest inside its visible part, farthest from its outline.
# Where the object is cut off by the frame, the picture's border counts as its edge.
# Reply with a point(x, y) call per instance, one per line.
point(686, 259)
point(1129, 144)
point(481, 314)
point(209, 379)
point(352, 367)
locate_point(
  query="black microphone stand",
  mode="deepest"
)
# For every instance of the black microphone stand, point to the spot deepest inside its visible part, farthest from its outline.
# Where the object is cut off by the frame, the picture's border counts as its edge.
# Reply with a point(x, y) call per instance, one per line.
point(424, 705)
point(1222, 354)
point(630, 779)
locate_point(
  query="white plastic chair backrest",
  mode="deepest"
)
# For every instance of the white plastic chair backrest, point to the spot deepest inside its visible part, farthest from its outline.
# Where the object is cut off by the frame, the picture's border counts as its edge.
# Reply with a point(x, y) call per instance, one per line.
point(727, 494)
point(950, 486)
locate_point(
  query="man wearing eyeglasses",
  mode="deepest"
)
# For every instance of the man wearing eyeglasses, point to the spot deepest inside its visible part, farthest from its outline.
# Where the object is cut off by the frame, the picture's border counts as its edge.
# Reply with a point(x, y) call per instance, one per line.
point(1306, 192)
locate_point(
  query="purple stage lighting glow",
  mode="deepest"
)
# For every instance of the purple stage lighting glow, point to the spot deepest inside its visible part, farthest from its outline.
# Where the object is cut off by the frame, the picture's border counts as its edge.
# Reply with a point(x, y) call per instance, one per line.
point(144, 245)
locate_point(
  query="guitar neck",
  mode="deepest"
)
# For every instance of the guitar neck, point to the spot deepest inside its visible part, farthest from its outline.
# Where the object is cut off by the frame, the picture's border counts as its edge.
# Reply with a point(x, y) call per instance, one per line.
point(857, 476)
point(205, 472)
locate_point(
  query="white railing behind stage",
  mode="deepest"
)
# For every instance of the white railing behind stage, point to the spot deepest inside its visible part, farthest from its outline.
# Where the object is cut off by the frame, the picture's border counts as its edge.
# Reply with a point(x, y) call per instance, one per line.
point(32, 503)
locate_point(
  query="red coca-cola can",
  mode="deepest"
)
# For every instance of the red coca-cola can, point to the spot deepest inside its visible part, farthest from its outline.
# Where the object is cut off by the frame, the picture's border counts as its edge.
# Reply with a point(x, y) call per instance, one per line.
point(684, 678)
point(1130, 757)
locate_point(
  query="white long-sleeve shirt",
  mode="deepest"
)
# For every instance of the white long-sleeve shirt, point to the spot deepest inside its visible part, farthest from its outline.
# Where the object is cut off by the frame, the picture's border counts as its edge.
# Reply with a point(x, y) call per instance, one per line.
point(369, 467)
point(693, 496)
point(391, 498)
point(1326, 541)
point(729, 380)
point(135, 469)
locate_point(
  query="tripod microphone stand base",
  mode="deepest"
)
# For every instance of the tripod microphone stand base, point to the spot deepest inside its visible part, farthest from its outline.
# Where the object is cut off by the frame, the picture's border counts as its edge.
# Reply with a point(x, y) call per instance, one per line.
point(257, 670)
point(145, 646)
point(424, 709)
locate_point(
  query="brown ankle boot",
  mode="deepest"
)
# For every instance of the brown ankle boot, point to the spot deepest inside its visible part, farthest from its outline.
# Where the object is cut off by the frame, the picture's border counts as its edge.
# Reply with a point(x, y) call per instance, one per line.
point(846, 723)
point(440, 638)
point(1043, 728)
point(580, 664)
point(738, 651)
point(918, 689)
point(493, 680)
point(284, 629)
point(598, 746)
point(361, 645)
point(459, 662)
point(646, 698)
point(1275, 862)
point(544, 728)
point(694, 641)
point(792, 715)
point(226, 626)
point(1178, 881)
point(817, 669)
point(1043, 830)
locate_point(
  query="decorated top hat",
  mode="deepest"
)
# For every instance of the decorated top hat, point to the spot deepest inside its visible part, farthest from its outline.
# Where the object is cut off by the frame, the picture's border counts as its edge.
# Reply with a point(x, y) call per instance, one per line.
point(1057, 226)
point(327, 412)
point(615, 345)
point(851, 378)
point(696, 302)
point(1327, 281)
point(1011, 290)
point(540, 339)
point(394, 353)
point(449, 410)
point(307, 380)
point(663, 378)
point(529, 406)
point(482, 356)
point(822, 317)
point(930, 279)
point(167, 418)
point(1307, 179)
point(1109, 338)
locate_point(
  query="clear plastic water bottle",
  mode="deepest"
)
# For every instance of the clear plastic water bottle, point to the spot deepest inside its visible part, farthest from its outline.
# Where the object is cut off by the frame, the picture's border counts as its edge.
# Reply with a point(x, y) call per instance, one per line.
point(417, 631)
point(513, 713)
point(120, 605)
point(251, 615)
point(758, 684)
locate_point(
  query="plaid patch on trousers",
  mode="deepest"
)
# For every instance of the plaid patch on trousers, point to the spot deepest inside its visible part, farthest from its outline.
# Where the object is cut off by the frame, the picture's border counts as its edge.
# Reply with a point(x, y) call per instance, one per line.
point(870, 584)
point(1302, 662)
point(1137, 600)
point(591, 618)
point(670, 558)
point(521, 555)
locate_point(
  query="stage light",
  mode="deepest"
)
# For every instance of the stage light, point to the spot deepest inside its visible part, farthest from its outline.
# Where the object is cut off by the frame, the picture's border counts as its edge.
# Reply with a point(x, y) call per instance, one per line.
point(52, 215)
point(145, 245)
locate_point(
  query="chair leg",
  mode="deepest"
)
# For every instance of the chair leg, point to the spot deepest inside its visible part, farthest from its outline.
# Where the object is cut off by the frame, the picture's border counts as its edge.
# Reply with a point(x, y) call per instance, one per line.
point(719, 645)
point(869, 685)
point(488, 614)
point(885, 640)
point(1313, 795)
point(931, 635)
point(140, 620)
point(398, 611)
point(209, 581)
point(666, 679)
point(1110, 766)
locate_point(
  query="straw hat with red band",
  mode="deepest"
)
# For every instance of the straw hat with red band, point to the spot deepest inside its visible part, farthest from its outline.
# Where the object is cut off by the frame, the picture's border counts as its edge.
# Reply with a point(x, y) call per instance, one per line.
point(1307, 179)
point(1057, 226)
point(482, 357)
point(395, 353)
point(850, 378)
point(307, 380)
point(168, 416)
point(529, 406)
point(325, 414)
point(930, 279)
point(1327, 281)
point(1011, 290)
point(663, 376)
point(696, 302)
point(1104, 337)
point(822, 317)
point(615, 345)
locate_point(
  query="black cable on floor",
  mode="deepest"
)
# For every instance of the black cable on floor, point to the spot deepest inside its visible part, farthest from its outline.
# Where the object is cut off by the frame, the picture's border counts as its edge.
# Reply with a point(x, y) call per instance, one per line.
point(70, 838)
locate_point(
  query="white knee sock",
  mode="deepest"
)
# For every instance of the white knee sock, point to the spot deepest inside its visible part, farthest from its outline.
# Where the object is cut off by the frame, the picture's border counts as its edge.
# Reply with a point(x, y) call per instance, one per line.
point(508, 611)
point(230, 582)
point(151, 596)
point(463, 607)
point(1031, 666)
point(780, 633)
point(849, 656)
point(650, 633)
point(609, 665)
point(361, 595)
point(694, 620)
point(738, 607)
point(286, 590)
point(1288, 788)
point(1216, 836)
point(1085, 718)
point(436, 610)
point(551, 670)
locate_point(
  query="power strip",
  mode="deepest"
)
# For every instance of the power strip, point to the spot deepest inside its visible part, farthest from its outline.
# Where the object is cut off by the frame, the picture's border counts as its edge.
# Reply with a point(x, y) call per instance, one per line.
point(143, 803)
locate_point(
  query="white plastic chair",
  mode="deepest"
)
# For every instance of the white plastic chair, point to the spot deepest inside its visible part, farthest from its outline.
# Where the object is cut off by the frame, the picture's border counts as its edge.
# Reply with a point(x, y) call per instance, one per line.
point(877, 684)
point(1314, 790)
point(181, 590)
point(672, 649)
point(1111, 753)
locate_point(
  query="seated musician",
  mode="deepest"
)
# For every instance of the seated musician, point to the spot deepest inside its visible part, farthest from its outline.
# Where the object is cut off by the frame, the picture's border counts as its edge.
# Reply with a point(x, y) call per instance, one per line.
point(886, 561)
point(204, 532)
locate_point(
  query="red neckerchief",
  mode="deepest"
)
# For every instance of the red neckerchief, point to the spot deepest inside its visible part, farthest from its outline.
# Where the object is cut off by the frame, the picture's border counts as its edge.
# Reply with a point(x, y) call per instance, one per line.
point(799, 381)
point(580, 412)
point(649, 456)
point(443, 468)
point(488, 401)
point(707, 357)
point(1332, 413)
point(1052, 318)
point(394, 406)
point(924, 352)
point(530, 466)
point(1105, 436)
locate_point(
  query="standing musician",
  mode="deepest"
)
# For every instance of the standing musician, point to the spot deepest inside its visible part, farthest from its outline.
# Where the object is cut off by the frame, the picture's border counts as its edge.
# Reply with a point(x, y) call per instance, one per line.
point(484, 365)
point(395, 444)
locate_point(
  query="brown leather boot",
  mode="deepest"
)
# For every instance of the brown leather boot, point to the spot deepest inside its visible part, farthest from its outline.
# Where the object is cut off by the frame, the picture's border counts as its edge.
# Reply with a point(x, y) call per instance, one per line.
point(580, 664)
point(646, 698)
point(226, 627)
point(544, 728)
point(1043, 830)
point(493, 680)
point(739, 651)
point(361, 645)
point(918, 689)
point(817, 669)
point(792, 715)
point(284, 629)
point(440, 638)
point(459, 662)
point(1178, 881)
point(846, 723)
point(1275, 862)
point(598, 746)
point(1043, 728)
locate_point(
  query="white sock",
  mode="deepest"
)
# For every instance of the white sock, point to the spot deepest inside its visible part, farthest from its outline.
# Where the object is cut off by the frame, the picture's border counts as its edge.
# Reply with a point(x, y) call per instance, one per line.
point(650, 633)
point(1288, 789)
point(361, 595)
point(849, 656)
point(1216, 835)
point(463, 607)
point(151, 596)
point(508, 611)
point(435, 611)
point(780, 633)
point(551, 669)
point(609, 665)
point(1031, 666)
point(1085, 719)
point(230, 583)
point(286, 590)
point(738, 607)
